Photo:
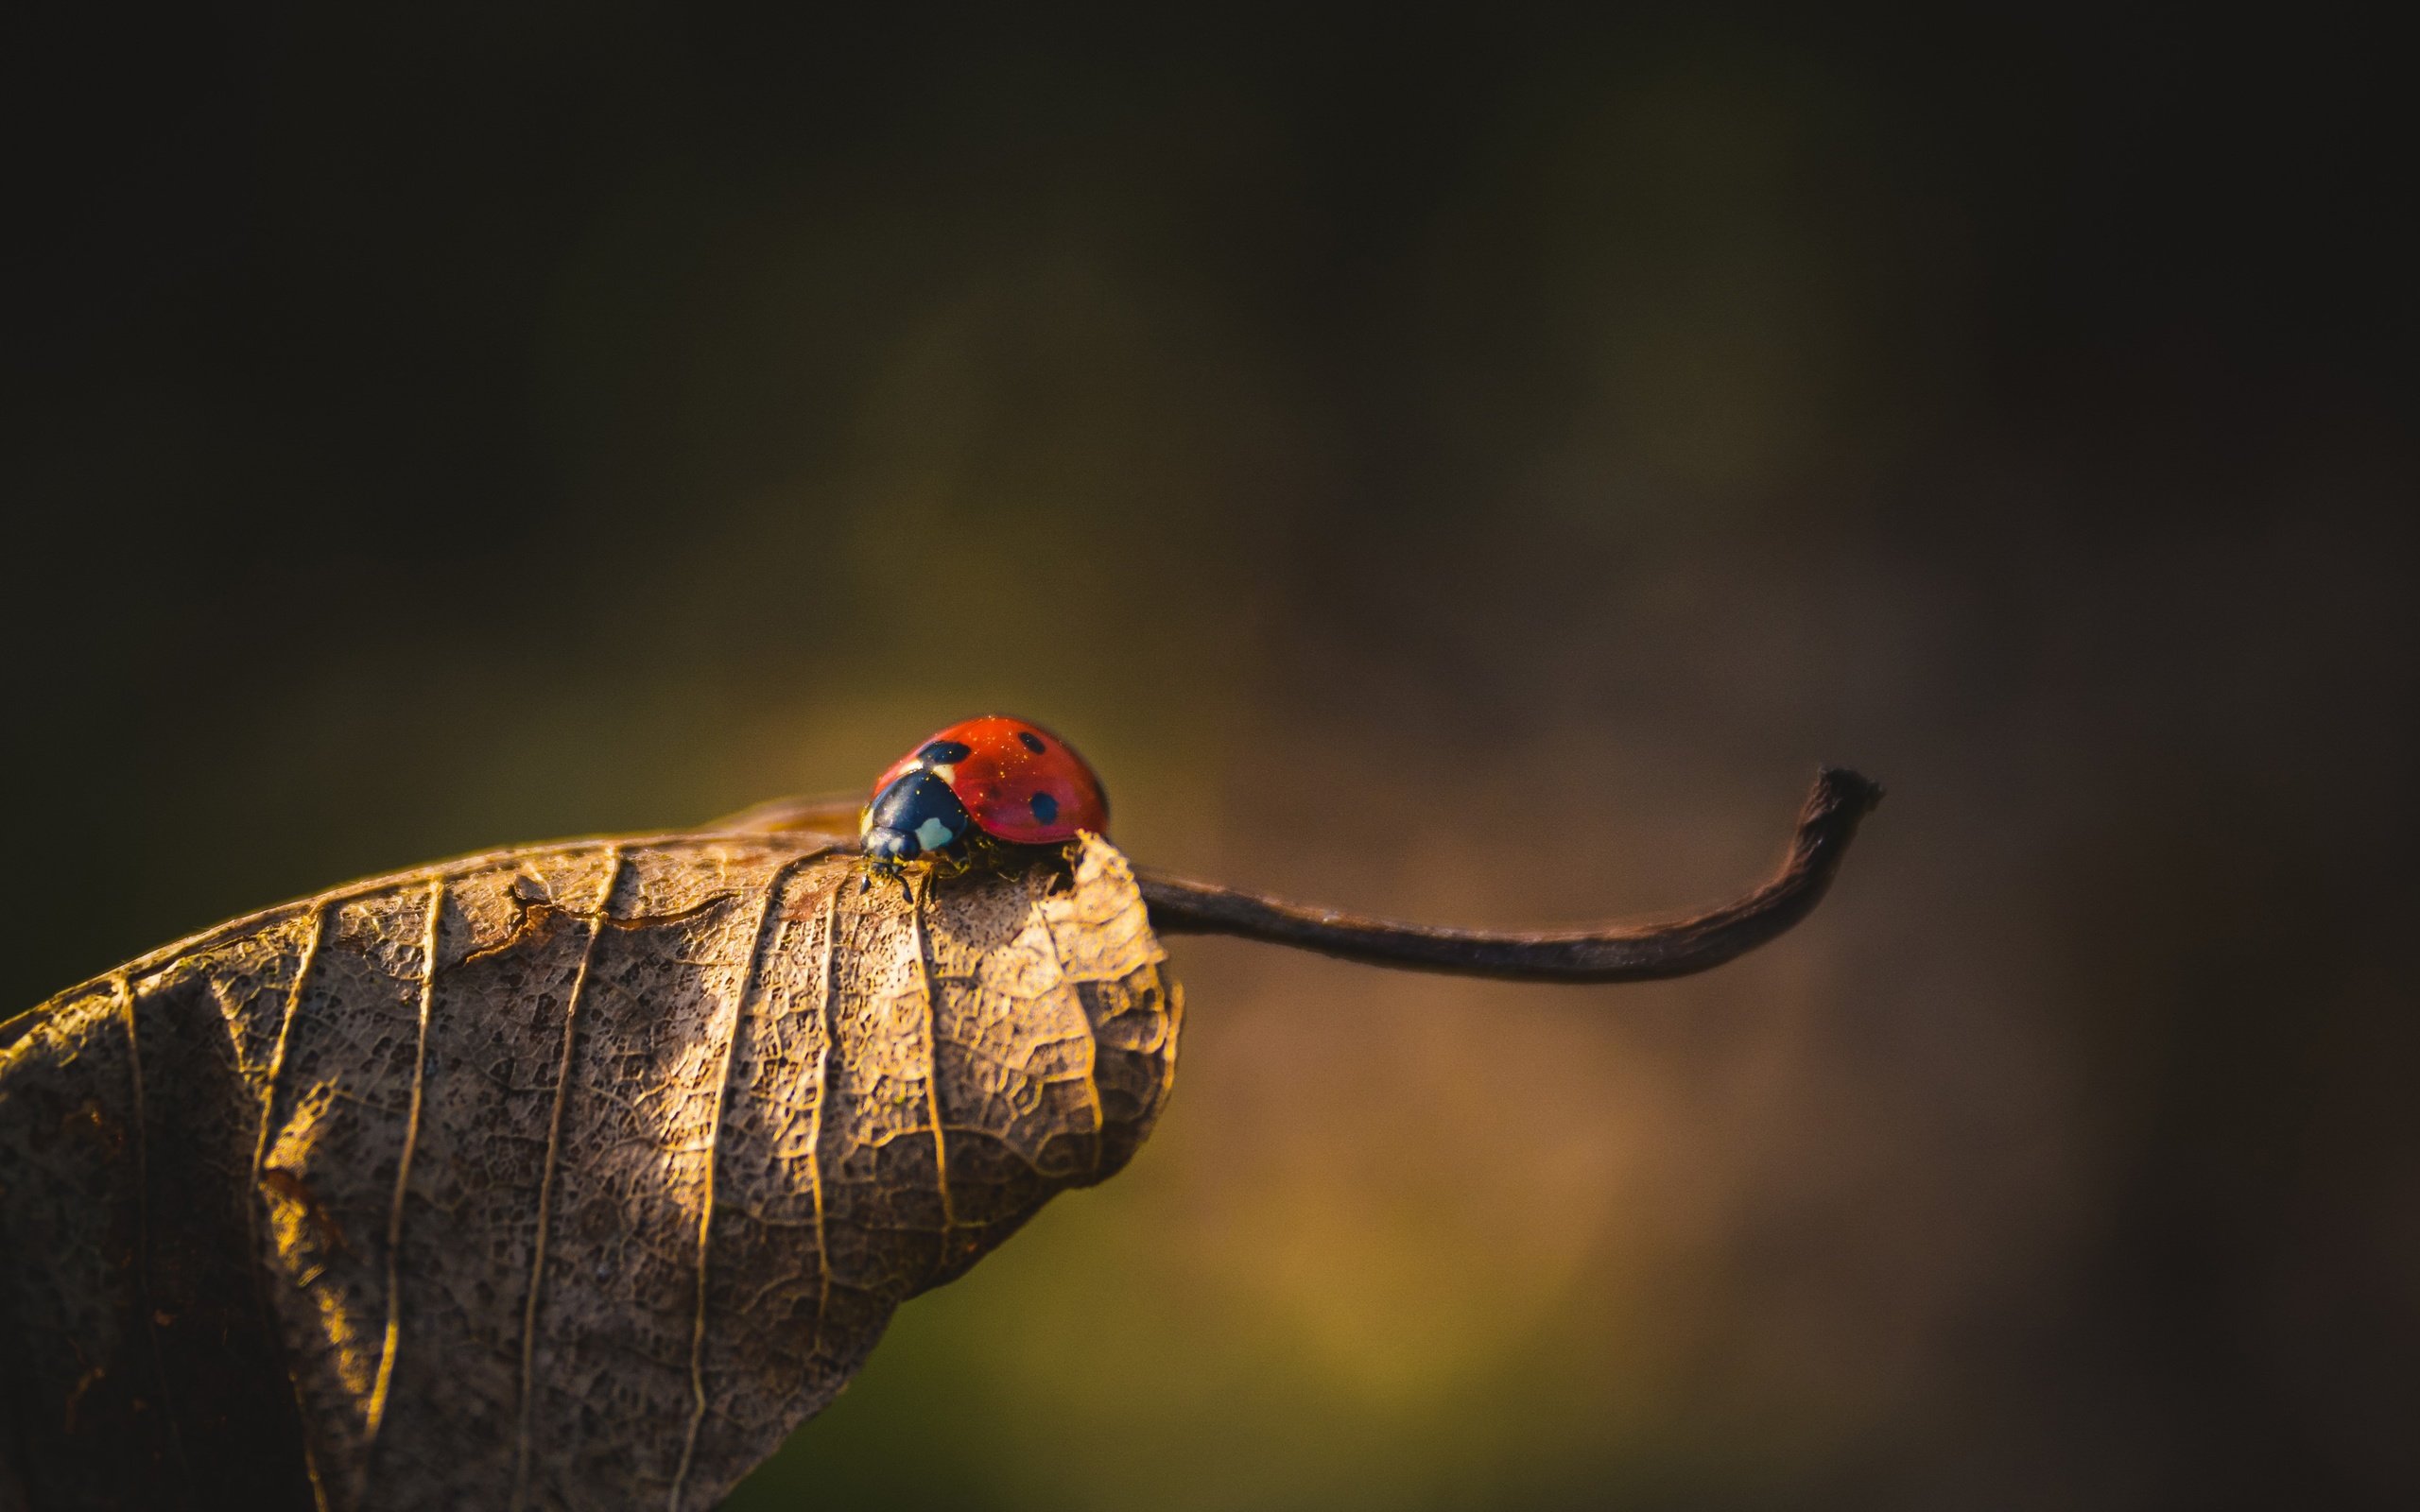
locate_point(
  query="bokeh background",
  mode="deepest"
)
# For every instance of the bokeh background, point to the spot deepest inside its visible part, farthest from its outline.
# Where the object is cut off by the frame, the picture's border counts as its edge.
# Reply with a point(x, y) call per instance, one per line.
point(1463, 465)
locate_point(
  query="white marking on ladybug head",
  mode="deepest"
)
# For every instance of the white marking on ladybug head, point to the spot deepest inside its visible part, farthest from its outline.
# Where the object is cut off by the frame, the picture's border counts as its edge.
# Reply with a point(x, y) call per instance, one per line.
point(934, 834)
point(947, 773)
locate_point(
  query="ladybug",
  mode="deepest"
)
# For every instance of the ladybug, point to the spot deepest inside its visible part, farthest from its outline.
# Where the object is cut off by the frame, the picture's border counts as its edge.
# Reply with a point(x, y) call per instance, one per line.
point(987, 779)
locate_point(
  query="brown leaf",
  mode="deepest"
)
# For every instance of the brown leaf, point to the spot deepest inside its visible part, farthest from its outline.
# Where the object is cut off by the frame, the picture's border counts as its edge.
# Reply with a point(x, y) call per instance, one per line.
point(570, 1176)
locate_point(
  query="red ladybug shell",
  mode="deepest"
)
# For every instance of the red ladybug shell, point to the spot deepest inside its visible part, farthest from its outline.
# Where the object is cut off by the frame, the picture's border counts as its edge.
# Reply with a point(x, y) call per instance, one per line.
point(1019, 781)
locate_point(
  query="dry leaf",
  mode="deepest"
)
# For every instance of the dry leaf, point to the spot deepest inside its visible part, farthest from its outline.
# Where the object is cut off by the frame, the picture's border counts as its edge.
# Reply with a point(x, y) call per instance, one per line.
point(567, 1176)
point(597, 1210)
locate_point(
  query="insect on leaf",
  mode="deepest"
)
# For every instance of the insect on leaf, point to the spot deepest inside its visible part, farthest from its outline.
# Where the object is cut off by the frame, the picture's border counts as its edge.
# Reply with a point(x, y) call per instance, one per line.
point(574, 1174)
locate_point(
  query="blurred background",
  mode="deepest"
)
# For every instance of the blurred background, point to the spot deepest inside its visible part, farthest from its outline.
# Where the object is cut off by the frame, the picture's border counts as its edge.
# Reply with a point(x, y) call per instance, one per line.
point(1464, 466)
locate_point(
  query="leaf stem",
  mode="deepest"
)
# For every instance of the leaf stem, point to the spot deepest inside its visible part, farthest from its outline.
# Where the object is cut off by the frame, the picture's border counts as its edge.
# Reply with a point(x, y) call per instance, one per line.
point(1619, 953)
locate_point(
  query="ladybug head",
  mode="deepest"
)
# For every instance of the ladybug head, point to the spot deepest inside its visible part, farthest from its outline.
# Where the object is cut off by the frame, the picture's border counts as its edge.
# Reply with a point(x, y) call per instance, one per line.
point(916, 813)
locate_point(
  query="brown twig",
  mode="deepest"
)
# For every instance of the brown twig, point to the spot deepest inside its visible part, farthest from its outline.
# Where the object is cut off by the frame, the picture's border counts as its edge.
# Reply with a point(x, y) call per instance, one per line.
point(1628, 954)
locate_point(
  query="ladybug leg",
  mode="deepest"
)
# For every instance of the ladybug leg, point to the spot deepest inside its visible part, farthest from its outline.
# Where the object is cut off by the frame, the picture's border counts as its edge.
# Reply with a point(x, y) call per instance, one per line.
point(889, 870)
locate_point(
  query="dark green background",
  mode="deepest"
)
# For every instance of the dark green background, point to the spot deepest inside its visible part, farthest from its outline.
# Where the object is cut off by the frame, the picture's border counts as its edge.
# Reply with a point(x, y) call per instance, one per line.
point(1455, 463)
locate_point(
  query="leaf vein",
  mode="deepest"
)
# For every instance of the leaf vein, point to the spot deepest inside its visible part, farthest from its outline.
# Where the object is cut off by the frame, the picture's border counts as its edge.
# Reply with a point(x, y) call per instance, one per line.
point(760, 936)
point(547, 1181)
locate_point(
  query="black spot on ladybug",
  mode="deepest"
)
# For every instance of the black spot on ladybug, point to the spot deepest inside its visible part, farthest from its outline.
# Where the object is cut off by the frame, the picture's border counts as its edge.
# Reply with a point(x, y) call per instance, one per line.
point(1032, 742)
point(943, 753)
point(1046, 808)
